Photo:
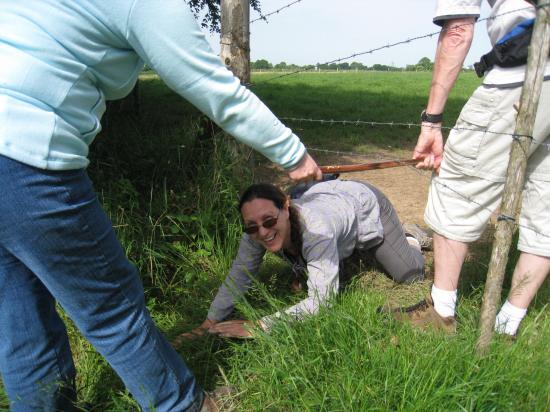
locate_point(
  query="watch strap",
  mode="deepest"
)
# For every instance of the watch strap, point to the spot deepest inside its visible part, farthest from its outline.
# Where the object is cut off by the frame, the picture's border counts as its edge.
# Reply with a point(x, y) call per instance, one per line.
point(431, 118)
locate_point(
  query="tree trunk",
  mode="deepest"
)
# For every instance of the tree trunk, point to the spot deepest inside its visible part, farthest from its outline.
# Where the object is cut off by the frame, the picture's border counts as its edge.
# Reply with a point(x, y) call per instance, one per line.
point(235, 37)
point(235, 53)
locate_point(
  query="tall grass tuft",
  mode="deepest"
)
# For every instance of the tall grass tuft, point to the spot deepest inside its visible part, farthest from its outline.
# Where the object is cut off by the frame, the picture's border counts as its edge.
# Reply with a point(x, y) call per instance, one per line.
point(350, 358)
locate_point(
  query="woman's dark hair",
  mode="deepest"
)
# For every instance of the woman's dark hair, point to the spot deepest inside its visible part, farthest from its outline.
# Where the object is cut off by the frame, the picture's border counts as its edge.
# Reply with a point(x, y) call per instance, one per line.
point(278, 197)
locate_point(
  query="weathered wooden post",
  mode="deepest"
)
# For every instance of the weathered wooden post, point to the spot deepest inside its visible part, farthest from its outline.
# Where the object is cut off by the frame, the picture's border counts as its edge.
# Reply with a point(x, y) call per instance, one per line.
point(235, 37)
point(515, 179)
point(235, 50)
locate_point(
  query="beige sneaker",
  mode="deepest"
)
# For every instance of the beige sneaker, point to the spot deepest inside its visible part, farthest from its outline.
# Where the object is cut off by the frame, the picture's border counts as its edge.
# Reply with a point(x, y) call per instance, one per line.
point(423, 316)
point(421, 235)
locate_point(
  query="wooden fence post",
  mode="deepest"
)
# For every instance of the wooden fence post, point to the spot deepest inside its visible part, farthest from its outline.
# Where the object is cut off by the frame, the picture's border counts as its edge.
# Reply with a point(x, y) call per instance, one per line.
point(515, 179)
point(235, 37)
point(235, 51)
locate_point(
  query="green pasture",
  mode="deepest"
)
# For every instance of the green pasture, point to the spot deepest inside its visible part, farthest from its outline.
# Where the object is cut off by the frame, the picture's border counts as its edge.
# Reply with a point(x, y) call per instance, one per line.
point(170, 183)
point(382, 97)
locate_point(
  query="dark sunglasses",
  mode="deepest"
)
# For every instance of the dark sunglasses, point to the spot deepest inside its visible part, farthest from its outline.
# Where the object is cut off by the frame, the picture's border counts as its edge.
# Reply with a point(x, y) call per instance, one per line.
point(268, 224)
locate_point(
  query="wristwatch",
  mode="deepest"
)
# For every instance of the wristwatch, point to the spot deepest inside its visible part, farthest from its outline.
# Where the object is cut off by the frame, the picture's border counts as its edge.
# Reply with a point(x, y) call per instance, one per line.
point(431, 118)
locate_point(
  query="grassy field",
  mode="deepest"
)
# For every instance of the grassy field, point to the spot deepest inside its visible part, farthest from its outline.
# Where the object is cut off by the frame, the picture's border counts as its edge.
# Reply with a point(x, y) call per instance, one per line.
point(369, 96)
point(171, 190)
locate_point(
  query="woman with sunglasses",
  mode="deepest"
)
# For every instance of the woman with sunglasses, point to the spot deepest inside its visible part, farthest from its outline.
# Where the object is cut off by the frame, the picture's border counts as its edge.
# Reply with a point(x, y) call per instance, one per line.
point(314, 233)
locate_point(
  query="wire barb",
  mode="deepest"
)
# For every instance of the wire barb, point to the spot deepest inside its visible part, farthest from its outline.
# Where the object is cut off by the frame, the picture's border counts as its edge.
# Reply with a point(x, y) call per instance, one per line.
point(265, 16)
point(358, 122)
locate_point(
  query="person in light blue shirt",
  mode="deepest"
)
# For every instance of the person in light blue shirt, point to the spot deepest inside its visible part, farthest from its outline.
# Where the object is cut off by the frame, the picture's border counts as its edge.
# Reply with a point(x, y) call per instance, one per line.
point(60, 61)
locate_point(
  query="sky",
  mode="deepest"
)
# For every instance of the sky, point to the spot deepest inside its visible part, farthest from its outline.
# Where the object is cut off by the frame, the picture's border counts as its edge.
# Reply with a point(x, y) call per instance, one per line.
point(318, 31)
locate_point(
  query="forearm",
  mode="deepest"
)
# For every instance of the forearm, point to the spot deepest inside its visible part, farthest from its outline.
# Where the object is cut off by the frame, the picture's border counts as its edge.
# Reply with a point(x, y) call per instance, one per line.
point(181, 55)
point(235, 286)
point(452, 48)
point(307, 307)
point(323, 283)
point(238, 280)
point(224, 302)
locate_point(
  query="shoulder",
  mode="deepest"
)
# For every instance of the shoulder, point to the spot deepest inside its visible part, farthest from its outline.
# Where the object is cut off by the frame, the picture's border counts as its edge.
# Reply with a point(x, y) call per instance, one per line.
point(319, 229)
point(332, 189)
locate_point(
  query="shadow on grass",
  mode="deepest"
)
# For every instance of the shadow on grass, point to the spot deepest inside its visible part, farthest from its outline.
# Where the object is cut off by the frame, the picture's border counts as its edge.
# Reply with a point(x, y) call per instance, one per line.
point(376, 97)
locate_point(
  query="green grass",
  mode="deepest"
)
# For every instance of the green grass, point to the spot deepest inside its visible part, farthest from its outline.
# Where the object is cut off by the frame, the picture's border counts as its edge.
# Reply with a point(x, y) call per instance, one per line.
point(350, 358)
point(397, 97)
point(171, 191)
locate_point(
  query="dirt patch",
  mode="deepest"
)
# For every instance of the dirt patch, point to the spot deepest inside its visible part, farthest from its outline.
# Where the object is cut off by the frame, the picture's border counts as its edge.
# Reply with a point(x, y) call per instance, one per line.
point(405, 186)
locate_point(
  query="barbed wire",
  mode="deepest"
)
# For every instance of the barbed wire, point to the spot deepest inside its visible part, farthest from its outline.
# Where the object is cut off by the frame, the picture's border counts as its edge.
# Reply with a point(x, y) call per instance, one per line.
point(409, 40)
point(428, 175)
point(468, 198)
point(264, 16)
point(408, 125)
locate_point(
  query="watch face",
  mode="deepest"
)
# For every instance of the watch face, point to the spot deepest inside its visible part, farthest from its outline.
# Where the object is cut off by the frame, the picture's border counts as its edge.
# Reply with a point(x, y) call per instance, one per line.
point(423, 116)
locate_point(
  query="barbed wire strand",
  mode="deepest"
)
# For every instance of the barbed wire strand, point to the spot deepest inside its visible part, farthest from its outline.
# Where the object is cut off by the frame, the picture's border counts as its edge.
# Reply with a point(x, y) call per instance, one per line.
point(409, 40)
point(408, 125)
point(344, 153)
point(468, 198)
point(424, 174)
point(264, 16)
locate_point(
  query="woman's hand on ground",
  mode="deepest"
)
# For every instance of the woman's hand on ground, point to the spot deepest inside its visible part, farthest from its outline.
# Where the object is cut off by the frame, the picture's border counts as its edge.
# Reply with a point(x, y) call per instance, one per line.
point(236, 328)
point(195, 333)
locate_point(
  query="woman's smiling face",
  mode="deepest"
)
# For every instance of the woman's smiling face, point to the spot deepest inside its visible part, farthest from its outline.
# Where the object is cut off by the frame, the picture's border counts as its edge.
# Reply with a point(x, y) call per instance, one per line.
point(257, 211)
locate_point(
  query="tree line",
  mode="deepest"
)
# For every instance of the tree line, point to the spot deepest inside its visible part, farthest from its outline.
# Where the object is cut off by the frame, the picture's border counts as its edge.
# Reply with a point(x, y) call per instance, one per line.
point(211, 19)
point(424, 64)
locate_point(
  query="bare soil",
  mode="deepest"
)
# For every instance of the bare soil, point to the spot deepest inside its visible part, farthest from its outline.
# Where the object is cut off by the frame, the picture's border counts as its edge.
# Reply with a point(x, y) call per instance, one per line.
point(405, 186)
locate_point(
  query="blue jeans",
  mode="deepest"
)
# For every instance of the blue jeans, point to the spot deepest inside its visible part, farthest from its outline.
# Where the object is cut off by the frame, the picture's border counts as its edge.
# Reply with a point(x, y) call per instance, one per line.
point(56, 244)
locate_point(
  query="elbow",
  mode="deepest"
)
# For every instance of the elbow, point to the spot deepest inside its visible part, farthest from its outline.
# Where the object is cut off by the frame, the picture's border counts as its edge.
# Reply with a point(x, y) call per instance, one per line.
point(458, 34)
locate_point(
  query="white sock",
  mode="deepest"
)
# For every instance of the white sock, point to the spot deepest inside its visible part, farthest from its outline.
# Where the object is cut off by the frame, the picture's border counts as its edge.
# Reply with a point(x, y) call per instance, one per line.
point(444, 301)
point(414, 242)
point(509, 318)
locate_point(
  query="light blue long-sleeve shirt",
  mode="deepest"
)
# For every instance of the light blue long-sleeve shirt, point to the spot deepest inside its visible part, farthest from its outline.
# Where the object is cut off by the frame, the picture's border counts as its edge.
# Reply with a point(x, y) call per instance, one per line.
point(61, 60)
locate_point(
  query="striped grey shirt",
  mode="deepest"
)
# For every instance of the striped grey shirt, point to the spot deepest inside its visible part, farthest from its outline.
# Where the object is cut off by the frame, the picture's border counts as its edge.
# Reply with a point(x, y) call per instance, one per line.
point(337, 217)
